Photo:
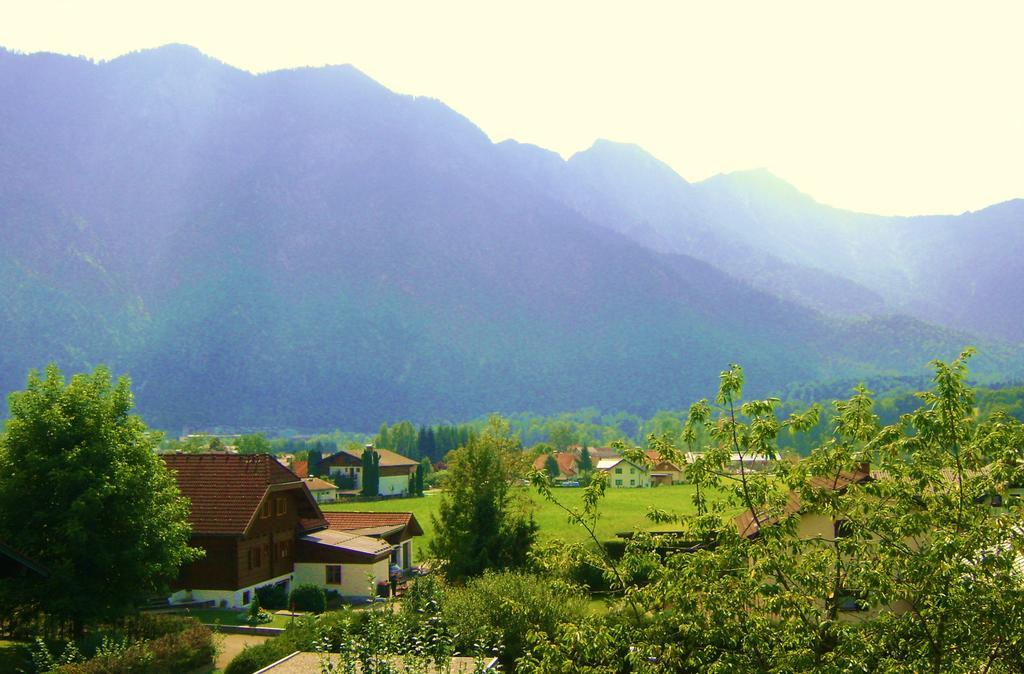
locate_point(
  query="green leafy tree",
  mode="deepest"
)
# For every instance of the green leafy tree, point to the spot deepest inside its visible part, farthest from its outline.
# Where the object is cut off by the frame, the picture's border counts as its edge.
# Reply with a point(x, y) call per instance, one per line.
point(562, 434)
point(371, 472)
point(585, 463)
point(551, 466)
point(383, 438)
point(253, 444)
point(83, 492)
point(419, 477)
point(908, 567)
point(315, 457)
point(480, 523)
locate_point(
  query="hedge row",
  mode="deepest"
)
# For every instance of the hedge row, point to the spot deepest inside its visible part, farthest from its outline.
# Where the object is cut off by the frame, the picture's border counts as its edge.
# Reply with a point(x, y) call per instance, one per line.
point(171, 653)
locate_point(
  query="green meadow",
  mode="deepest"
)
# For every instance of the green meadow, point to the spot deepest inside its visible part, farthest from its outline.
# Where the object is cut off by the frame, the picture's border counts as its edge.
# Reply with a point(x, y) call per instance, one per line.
point(621, 510)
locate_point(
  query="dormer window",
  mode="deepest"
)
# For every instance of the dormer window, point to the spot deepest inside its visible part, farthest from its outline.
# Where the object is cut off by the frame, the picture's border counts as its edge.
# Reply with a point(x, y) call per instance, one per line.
point(265, 511)
point(282, 505)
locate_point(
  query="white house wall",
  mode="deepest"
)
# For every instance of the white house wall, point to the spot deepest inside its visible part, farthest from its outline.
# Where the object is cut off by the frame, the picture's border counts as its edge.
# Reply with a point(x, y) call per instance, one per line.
point(227, 598)
point(354, 581)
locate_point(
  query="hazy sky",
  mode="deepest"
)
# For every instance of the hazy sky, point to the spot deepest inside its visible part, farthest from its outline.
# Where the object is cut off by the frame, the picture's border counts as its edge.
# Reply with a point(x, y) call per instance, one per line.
point(887, 107)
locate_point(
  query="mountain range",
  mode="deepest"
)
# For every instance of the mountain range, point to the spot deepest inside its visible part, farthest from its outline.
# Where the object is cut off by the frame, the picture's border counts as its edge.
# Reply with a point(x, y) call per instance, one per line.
point(308, 249)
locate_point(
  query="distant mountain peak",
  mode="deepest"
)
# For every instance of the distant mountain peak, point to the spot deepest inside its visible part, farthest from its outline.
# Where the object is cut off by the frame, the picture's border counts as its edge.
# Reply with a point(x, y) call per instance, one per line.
point(174, 50)
point(758, 180)
point(625, 158)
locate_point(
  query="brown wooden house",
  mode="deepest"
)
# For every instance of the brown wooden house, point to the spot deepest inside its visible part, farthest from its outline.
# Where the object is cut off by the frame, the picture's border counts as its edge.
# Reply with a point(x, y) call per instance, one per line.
point(250, 514)
point(396, 471)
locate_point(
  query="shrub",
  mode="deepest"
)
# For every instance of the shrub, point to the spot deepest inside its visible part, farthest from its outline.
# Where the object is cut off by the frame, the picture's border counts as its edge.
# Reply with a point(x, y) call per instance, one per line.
point(309, 597)
point(147, 626)
point(435, 479)
point(273, 597)
point(501, 609)
point(257, 616)
point(254, 658)
point(172, 653)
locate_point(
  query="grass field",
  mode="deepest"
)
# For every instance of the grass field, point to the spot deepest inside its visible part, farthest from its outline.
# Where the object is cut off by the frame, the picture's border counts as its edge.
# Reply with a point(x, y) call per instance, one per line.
point(211, 616)
point(621, 510)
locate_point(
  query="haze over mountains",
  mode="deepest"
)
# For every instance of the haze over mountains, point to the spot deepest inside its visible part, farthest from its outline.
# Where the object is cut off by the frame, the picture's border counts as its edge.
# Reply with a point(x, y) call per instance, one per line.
point(308, 249)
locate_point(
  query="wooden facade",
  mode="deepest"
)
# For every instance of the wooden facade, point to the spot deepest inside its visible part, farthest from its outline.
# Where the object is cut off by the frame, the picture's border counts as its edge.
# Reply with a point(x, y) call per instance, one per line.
point(266, 551)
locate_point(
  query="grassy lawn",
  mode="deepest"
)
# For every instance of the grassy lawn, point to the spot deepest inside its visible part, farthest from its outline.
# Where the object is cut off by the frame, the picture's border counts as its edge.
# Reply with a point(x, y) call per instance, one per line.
point(621, 510)
point(14, 656)
point(223, 616)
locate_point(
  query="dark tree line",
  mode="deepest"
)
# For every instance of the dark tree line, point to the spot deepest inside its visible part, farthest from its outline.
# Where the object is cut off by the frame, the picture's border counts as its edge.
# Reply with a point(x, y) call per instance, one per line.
point(430, 442)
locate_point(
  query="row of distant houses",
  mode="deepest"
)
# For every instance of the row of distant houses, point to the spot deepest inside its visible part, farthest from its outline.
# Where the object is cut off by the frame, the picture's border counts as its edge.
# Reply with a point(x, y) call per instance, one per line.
point(623, 473)
point(260, 524)
point(346, 467)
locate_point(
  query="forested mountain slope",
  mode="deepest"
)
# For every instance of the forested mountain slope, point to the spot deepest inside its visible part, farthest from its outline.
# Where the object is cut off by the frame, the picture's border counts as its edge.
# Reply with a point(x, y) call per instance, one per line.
point(306, 248)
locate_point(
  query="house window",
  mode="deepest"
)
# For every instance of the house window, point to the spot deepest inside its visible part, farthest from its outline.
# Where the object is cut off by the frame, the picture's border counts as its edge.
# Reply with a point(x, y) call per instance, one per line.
point(632, 483)
point(282, 550)
point(997, 501)
point(246, 598)
point(282, 505)
point(265, 510)
point(333, 574)
point(255, 558)
point(618, 483)
point(618, 470)
point(841, 529)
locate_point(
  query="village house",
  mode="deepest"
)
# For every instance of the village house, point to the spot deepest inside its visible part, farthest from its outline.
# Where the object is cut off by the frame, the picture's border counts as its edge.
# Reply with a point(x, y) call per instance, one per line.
point(259, 525)
point(738, 462)
point(568, 468)
point(624, 473)
point(322, 490)
point(810, 524)
point(396, 470)
point(300, 468)
point(397, 529)
point(663, 472)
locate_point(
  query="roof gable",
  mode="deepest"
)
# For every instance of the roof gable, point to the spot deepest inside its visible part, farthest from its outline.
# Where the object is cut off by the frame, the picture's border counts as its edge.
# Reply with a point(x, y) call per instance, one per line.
point(226, 490)
point(567, 463)
point(353, 521)
point(748, 527)
point(317, 484)
point(608, 464)
point(352, 457)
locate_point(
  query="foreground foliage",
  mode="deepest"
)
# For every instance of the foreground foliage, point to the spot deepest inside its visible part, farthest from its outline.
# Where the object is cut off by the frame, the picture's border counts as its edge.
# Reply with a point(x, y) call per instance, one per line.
point(918, 550)
point(141, 645)
point(83, 494)
point(480, 523)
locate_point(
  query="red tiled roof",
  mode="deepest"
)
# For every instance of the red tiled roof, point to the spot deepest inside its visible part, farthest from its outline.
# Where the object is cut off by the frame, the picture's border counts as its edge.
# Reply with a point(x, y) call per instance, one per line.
point(658, 462)
point(566, 463)
point(226, 489)
point(300, 468)
point(351, 521)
